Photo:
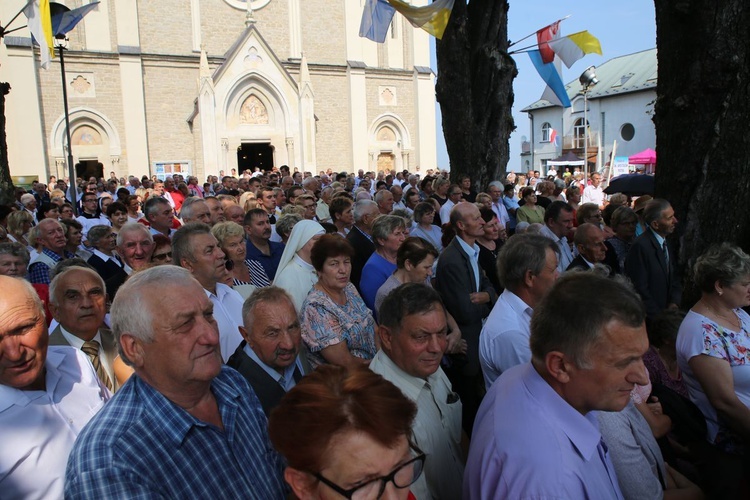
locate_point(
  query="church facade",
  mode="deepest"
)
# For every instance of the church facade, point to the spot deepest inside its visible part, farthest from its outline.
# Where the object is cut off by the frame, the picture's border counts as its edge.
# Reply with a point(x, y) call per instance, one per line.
point(205, 86)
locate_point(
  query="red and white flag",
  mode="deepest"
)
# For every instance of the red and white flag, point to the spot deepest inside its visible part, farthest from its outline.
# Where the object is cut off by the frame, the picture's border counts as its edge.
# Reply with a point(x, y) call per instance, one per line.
point(543, 36)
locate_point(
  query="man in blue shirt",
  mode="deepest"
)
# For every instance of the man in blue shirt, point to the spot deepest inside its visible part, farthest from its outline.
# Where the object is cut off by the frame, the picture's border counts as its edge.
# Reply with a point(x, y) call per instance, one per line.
point(260, 248)
point(536, 434)
point(183, 426)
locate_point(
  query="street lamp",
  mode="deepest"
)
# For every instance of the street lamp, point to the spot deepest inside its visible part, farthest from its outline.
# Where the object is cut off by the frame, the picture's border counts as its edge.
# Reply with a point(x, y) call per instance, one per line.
point(588, 79)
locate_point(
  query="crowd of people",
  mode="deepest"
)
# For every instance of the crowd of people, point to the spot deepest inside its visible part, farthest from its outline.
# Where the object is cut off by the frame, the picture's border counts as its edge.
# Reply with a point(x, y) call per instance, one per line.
point(365, 335)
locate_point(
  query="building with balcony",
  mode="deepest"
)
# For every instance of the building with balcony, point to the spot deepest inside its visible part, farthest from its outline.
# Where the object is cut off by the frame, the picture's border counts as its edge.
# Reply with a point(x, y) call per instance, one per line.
point(619, 112)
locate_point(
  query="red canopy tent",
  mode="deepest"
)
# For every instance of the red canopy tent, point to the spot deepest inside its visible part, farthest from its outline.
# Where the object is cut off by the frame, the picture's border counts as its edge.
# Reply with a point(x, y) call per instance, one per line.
point(646, 157)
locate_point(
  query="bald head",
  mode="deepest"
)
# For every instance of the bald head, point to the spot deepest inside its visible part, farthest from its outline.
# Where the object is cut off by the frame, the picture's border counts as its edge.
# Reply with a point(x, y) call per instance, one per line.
point(589, 240)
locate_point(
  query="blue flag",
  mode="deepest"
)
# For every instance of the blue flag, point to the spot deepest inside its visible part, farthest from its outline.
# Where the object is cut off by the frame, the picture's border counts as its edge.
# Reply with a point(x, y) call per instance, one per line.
point(376, 19)
point(62, 23)
point(551, 77)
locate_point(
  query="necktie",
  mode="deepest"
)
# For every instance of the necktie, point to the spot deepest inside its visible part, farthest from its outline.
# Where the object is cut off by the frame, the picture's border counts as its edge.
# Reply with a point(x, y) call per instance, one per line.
point(666, 252)
point(91, 348)
point(297, 375)
point(272, 219)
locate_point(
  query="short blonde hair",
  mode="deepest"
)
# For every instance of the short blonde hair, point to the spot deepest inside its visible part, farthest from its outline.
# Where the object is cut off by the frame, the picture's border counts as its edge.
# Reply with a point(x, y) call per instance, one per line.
point(228, 229)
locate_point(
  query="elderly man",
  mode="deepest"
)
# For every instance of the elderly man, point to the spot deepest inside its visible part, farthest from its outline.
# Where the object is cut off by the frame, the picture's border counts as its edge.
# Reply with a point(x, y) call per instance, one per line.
point(398, 197)
point(527, 269)
point(47, 395)
point(558, 221)
point(135, 246)
point(195, 209)
point(322, 210)
point(360, 236)
point(78, 302)
point(52, 238)
point(413, 338)
point(589, 240)
point(454, 198)
point(384, 200)
point(183, 426)
point(197, 250)
point(159, 214)
point(171, 190)
point(234, 213)
point(271, 357)
point(468, 296)
point(495, 190)
point(28, 202)
point(650, 263)
point(536, 434)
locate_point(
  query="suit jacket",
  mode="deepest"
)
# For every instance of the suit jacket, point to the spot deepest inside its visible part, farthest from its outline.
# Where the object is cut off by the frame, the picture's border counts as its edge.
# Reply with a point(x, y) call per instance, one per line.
point(578, 263)
point(109, 346)
point(269, 391)
point(656, 282)
point(363, 249)
point(454, 281)
point(114, 282)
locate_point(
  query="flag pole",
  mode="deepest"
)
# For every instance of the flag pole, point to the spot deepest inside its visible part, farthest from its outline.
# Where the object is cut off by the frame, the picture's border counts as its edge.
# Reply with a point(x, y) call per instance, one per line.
point(534, 33)
point(2, 28)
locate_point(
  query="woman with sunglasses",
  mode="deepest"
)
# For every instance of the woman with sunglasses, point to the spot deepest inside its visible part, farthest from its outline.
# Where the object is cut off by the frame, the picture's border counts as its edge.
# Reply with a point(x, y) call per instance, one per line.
point(345, 434)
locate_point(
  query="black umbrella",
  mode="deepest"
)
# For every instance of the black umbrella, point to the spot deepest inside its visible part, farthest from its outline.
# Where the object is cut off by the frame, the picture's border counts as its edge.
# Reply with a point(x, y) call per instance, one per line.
point(631, 184)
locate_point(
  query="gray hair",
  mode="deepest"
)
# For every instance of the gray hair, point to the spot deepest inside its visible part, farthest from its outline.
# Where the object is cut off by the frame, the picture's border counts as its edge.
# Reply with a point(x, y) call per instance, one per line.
point(404, 214)
point(285, 224)
point(384, 225)
point(133, 227)
point(269, 295)
point(496, 184)
point(15, 250)
point(622, 214)
point(33, 295)
point(573, 315)
point(60, 274)
point(726, 263)
point(362, 208)
point(654, 209)
point(521, 253)
point(96, 233)
point(182, 244)
point(27, 198)
point(381, 194)
point(186, 211)
point(131, 312)
point(152, 206)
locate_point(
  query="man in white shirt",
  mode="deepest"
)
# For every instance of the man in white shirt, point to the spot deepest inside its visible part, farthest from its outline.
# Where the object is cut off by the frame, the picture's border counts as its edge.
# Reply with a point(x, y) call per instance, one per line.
point(527, 268)
point(47, 396)
point(558, 222)
point(495, 190)
point(454, 198)
point(196, 249)
point(413, 331)
point(593, 193)
point(78, 301)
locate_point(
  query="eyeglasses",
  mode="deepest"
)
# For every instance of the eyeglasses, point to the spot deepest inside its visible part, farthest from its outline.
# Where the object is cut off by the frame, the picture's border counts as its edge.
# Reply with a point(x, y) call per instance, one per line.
point(162, 256)
point(402, 476)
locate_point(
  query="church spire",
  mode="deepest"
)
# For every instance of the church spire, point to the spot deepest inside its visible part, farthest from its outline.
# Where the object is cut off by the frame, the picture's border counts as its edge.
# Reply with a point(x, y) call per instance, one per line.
point(205, 71)
point(249, 18)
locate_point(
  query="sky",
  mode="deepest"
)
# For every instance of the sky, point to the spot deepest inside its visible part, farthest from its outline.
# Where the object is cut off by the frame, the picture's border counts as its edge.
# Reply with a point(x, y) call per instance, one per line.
point(621, 27)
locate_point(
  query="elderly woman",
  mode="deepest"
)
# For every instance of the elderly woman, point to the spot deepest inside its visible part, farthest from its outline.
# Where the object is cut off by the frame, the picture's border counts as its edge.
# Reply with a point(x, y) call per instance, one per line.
point(530, 212)
point(162, 251)
point(345, 433)
point(424, 215)
point(248, 201)
point(134, 208)
point(484, 200)
point(337, 327)
point(623, 223)
point(14, 259)
point(284, 225)
point(342, 215)
point(713, 345)
point(103, 259)
point(19, 224)
point(66, 212)
point(295, 273)
point(231, 238)
point(387, 235)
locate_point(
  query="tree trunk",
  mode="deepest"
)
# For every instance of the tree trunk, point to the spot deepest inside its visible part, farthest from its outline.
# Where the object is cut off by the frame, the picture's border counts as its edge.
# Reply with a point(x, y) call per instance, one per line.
point(701, 121)
point(7, 190)
point(475, 90)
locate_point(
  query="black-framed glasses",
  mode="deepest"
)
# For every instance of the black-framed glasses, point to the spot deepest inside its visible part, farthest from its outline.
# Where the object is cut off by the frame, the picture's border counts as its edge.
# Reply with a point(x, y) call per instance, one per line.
point(402, 476)
point(162, 256)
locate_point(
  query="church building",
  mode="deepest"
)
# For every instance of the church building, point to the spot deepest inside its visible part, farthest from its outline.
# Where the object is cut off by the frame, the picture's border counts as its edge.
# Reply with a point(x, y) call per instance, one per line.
point(203, 86)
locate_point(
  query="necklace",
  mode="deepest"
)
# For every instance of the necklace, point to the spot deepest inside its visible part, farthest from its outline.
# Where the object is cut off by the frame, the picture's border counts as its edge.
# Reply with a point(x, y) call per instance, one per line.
point(732, 319)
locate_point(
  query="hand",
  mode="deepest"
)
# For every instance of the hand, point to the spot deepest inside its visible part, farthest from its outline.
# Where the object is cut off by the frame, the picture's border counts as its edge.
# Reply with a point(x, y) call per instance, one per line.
point(479, 297)
point(453, 339)
point(459, 348)
point(655, 406)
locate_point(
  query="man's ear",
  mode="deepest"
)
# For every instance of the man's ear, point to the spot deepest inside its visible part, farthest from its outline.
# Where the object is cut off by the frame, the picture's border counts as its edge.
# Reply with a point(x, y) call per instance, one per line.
point(386, 337)
point(245, 335)
point(557, 366)
point(302, 483)
point(132, 348)
point(186, 264)
point(53, 310)
point(528, 278)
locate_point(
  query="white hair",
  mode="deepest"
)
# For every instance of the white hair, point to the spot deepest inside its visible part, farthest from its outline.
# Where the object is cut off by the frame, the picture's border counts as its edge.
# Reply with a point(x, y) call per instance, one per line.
point(56, 281)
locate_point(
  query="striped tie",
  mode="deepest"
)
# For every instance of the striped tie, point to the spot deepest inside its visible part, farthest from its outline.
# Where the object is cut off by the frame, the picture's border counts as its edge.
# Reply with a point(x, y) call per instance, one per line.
point(91, 348)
